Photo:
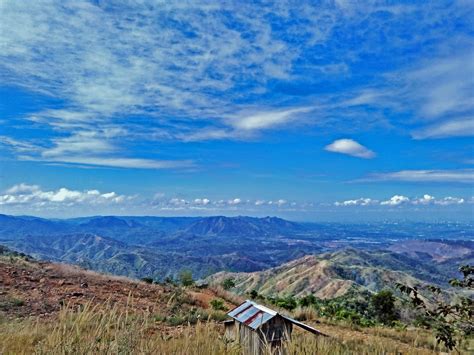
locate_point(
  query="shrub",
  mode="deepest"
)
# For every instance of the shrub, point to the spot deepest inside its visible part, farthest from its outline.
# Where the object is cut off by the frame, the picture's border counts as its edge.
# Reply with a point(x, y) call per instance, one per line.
point(186, 278)
point(228, 283)
point(148, 280)
point(288, 303)
point(253, 294)
point(308, 300)
point(218, 305)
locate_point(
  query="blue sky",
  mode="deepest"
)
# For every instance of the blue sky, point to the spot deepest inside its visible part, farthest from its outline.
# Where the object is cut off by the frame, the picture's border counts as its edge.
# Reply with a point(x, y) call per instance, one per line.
point(328, 110)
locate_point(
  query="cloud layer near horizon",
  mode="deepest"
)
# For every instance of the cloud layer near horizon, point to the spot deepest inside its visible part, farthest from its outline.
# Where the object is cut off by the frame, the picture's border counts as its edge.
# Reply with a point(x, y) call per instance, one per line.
point(33, 199)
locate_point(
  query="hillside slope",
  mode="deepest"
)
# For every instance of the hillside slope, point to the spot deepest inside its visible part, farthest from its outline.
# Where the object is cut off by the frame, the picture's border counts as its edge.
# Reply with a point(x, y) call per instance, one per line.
point(332, 275)
point(31, 288)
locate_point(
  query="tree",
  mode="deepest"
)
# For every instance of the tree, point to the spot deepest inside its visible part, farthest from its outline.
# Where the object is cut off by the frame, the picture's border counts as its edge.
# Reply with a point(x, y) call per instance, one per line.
point(186, 278)
point(228, 283)
point(383, 306)
point(148, 280)
point(288, 303)
point(308, 300)
point(448, 320)
point(253, 294)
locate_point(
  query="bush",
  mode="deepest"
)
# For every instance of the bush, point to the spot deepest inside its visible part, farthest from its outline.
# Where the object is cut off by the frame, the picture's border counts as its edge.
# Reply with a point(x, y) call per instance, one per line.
point(148, 280)
point(308, 300)
point(218, 305)
point(228, 283)
point(253, 294)
point(186, 278)
point(289, 303)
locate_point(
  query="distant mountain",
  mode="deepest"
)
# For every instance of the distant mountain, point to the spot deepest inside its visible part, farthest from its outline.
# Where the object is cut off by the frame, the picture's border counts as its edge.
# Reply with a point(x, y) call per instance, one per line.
point(157, 246)
point(333, 274)
point(237, 226)
point(108, 222)
point(163, 246)
point(11, 227)
point(440, 250)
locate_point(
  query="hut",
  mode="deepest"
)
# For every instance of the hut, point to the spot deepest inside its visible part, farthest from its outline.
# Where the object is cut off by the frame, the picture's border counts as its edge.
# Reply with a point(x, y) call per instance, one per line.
point(258, 328)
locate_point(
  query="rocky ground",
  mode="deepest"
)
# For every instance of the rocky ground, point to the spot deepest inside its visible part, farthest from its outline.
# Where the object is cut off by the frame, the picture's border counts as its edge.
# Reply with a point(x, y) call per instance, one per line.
point(30, 288)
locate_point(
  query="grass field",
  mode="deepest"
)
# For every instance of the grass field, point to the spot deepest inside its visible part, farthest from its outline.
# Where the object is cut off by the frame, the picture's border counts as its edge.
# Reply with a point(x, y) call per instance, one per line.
point(106, 330)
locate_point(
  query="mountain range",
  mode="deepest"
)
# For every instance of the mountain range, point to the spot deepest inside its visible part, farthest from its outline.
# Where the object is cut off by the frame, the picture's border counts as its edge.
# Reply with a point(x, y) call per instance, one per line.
point(334, 274)
point(160, 247)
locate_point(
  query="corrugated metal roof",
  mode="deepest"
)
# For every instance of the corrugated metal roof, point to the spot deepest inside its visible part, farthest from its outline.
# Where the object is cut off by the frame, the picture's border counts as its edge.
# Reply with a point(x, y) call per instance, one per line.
point(304, 326)
point(239, 309)
point(254, 315)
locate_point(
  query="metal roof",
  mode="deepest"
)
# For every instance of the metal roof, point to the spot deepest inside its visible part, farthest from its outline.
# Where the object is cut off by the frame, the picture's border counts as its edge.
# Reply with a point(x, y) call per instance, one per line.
point(254, 315)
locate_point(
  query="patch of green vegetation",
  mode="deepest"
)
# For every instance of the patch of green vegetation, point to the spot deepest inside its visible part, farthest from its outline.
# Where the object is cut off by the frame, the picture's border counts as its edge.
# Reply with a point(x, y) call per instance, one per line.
point(10, 302)
point(218, 305)
point(186, 278)
point(228, 283)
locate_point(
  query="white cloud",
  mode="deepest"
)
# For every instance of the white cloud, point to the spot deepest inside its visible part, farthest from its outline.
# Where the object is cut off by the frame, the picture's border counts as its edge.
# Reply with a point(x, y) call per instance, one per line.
point(459, 176)
point(435, 92)
point(268, 119)
point(134, 163)
point(350, 147)
point(358, 202)
point(235, 201)
point(178, 202)
point(202, 201)
point(33, 195)
point(18, 146)
point(281, 202)
point(453, 128)
point(178, 63)
point(425, 200)
point(79, 142)
point(443, 86)
point(450, 201)
point(396, 200)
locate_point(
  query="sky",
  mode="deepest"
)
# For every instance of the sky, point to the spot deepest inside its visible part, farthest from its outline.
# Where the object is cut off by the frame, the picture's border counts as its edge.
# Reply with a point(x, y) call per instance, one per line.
point(308, 110)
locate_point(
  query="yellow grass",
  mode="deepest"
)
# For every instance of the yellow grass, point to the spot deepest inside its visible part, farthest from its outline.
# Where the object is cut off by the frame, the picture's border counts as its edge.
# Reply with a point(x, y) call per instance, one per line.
point(106, 330)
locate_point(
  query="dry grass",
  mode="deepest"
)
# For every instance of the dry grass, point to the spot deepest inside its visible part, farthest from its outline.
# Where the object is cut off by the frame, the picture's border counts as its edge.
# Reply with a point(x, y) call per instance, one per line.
point(227, 296)
point(107, 330)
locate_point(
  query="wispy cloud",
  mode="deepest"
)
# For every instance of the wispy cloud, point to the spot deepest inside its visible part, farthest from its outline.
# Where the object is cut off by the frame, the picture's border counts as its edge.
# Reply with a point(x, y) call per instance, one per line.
point(268, 119)
point(192, 72)
point(18, 146)
point(133, 163)
point(460, 176)
point(454, 128)
point(350, 147)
